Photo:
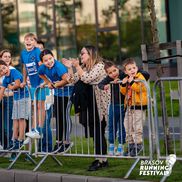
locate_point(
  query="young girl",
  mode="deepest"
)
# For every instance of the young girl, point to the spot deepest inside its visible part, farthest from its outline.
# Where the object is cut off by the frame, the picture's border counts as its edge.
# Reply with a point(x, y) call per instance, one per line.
point(55, 76)
point(12, 80)
point(6, 106)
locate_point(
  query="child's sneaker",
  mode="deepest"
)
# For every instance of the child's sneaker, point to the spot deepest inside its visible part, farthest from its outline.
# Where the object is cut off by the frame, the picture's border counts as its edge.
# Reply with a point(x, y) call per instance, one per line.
point(17, 145)
point(136, 150)
point(119, 150)
point(129, 149)
point(13, 157)
point(11, 145)
point(27, 141)
point(33, 134)
point(111, 149)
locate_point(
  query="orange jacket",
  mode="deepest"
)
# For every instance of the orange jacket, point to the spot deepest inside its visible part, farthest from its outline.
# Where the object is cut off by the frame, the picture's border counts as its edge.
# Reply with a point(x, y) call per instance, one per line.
point(139, 92)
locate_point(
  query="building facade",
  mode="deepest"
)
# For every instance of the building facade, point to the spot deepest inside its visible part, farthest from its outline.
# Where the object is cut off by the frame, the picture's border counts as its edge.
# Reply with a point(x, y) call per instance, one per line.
point(116, 27)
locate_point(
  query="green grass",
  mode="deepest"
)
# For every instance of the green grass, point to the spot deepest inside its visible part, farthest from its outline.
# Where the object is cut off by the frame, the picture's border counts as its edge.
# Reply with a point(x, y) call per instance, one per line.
point(172, 107)
point(79, 165)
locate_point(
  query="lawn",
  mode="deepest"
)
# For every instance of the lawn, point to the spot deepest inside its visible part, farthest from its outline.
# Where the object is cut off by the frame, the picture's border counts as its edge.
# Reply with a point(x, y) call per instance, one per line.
point(79, 165)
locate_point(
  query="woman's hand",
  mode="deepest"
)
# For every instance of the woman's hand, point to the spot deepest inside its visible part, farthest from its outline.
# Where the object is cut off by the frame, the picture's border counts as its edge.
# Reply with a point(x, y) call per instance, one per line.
point(75, 62)
point(67, 62)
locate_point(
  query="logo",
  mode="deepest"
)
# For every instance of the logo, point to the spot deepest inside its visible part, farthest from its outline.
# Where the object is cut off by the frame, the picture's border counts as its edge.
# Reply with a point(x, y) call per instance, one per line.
point(157, 167)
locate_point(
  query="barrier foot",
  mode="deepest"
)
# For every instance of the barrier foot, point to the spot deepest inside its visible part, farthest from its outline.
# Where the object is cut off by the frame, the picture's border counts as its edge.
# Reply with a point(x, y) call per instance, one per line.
point(41, 162)
point(55, 159)
point(30, 158)
point(163, 179)
point(131, 169)
point(14, 161)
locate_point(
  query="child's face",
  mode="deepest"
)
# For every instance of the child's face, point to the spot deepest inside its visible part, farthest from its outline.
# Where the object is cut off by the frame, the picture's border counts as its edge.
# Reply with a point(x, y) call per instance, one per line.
point(40, 46)
point(113, 72)
point(48, 60)
point(29, 43)
point(131, 69)
point(6, 57)
point(4, 70)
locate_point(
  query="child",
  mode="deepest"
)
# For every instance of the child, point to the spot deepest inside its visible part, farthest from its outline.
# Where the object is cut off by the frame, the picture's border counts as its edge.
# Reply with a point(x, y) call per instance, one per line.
point(55, 76)
point(116, 108)
point(45, 144)
point(6, 105)
point(136, 105)
point(30, 58)
point(40, 44)
point(13, 79)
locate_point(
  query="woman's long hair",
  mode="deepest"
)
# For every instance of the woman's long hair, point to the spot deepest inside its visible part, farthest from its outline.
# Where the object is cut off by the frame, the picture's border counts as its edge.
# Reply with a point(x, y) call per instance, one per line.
point(94, 57)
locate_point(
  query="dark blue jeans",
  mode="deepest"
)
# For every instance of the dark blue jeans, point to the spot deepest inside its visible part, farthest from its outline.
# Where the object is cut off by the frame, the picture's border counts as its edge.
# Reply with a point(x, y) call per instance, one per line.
point(6, 122)
point(116, 123)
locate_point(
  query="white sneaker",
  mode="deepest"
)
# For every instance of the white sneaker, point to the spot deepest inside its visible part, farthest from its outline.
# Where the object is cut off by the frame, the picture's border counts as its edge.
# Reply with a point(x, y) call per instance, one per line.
point(26, 141)
point(33, 134)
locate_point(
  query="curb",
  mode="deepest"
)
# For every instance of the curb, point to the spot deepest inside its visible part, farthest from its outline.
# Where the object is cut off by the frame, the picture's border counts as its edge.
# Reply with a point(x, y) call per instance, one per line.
point(29, 176)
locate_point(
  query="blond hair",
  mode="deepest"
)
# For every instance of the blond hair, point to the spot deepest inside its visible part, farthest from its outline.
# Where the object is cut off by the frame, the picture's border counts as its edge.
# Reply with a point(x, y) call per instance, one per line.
point(30, 35)
point(127, 62)
point(94, 57)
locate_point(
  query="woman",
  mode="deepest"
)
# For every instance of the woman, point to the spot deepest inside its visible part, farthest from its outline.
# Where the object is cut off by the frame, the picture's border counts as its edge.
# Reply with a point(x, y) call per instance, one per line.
point(92, 72)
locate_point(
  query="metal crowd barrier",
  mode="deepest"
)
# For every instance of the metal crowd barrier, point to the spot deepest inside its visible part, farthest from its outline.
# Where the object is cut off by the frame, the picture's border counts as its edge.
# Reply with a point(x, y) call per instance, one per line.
point(87, 137)
point(168, 116)
point(7, 146)
point(167, 93)
point(80, 124)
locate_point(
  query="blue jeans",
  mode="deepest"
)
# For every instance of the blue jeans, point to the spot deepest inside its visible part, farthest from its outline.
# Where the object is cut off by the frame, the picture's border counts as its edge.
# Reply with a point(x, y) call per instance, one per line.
point(116, 123)
point(6, 122)
point(46, 142)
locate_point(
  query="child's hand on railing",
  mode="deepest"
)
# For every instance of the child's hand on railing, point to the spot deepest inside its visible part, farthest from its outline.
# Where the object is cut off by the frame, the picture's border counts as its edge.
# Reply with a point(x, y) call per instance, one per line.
point(22, 85)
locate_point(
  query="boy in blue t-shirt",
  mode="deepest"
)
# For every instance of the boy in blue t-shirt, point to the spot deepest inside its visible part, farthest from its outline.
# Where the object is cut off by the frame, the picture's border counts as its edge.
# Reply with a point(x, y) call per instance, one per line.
point(30, 57)
point(55, 75)
point(12, 80)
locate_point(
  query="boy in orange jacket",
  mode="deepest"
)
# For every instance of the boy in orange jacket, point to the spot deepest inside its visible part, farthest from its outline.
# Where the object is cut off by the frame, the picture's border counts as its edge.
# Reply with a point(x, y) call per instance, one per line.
point(136, 105)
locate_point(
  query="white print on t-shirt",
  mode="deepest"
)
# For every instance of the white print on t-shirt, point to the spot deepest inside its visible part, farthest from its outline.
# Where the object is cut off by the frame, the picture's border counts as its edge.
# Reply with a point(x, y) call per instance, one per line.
point(31, 68)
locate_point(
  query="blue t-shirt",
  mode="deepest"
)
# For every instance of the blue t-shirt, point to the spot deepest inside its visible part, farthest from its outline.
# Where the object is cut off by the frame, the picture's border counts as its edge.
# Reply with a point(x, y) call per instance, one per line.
point(31, 59)
point(15, 75)
point(54, 74)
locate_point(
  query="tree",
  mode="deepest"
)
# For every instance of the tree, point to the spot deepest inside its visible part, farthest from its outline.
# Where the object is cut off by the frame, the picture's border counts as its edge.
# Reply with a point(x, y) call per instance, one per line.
point(155, 42)
point(10, 33)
